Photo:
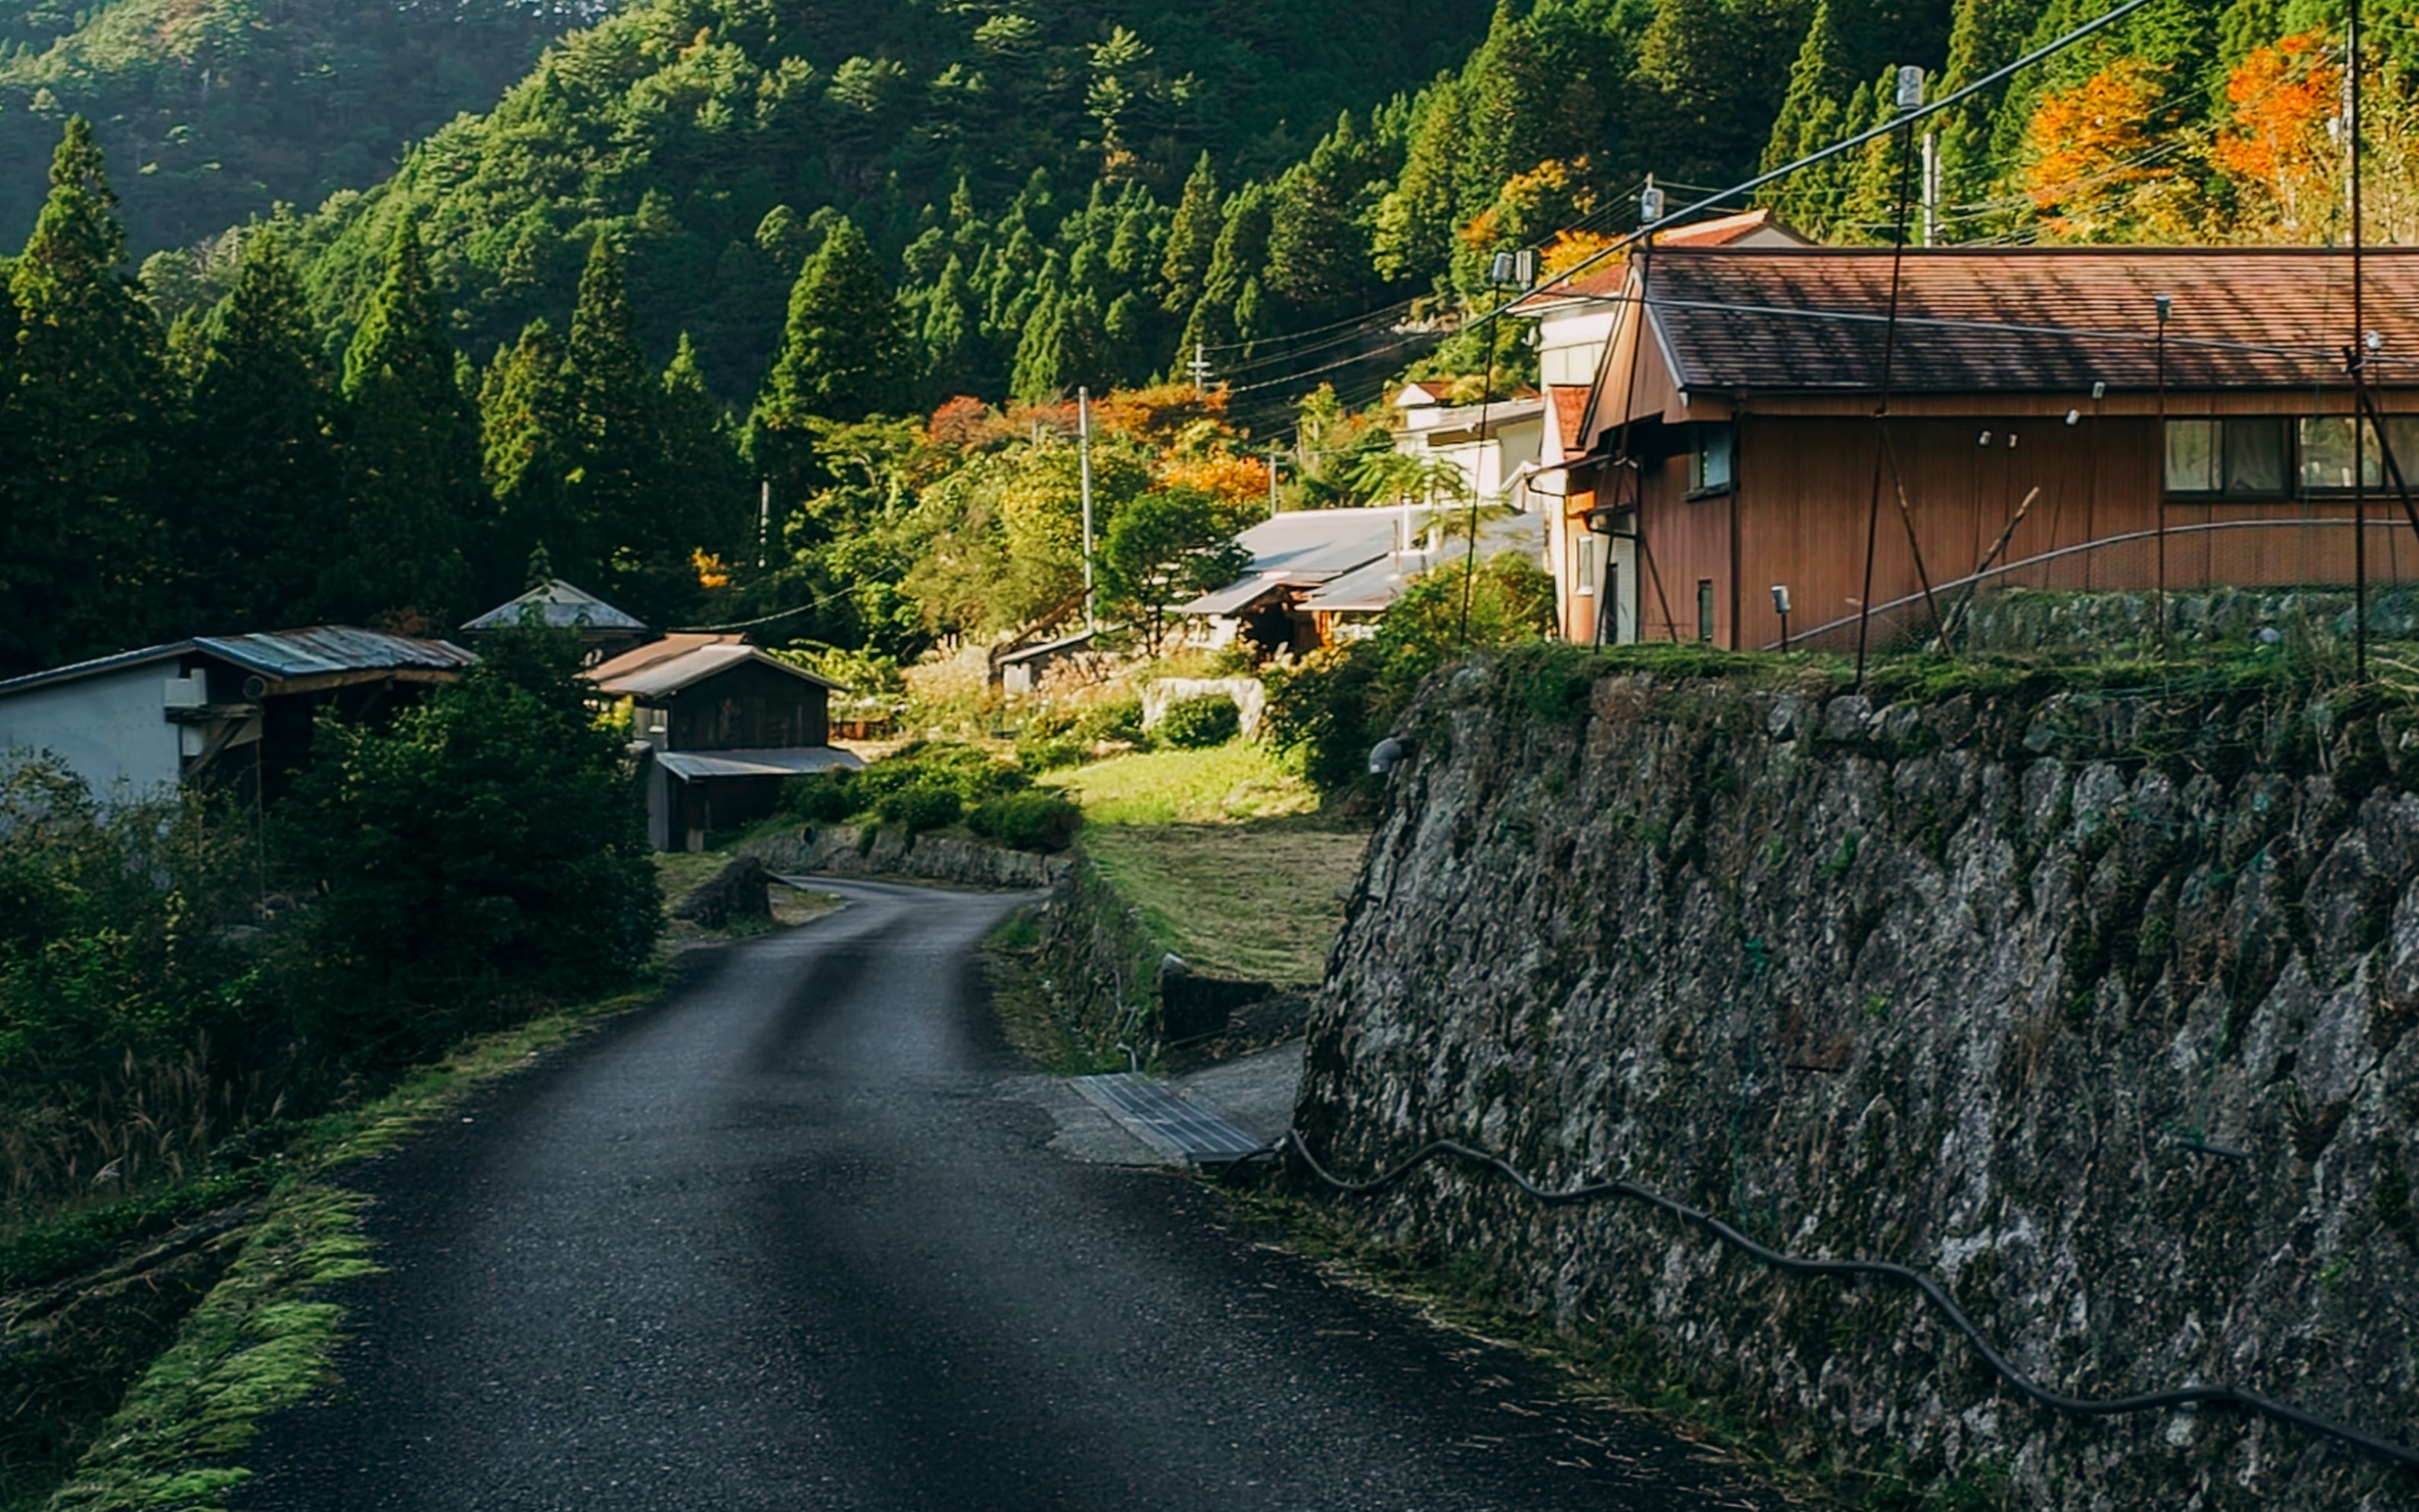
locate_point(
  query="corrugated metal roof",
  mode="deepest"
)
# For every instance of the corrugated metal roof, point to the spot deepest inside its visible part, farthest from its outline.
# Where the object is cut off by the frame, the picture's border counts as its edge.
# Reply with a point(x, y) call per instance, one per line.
point(1045, 649)
point(636, 674)
point(1374, 588)
point(795, 761)
point(279, 655)
point(1317, 544)
point(335, 648)
point(1796, 320)
point(559, 606)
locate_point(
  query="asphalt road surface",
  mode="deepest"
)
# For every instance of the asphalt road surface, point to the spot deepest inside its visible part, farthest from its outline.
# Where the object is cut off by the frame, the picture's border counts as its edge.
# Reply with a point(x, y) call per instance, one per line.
point(787, 1241)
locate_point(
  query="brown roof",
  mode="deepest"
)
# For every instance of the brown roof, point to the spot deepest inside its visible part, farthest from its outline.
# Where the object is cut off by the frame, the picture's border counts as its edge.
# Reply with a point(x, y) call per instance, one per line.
point(1570, 414)
point(1607, 279)
point(1970, 322)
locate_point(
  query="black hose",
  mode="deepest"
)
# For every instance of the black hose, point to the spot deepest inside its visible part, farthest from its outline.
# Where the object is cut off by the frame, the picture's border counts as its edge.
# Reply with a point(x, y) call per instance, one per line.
point(1931, 1290)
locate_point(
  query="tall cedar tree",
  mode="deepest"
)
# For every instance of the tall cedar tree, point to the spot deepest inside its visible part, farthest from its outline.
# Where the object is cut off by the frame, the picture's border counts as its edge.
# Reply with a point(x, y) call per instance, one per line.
point(1242, 251)
point(411, 457)
point(843, 357)
point(709, 496)
point(1191, 240)
point(527, 418)
point(260, 467)
point(80, 391)
point(1318, 261)
point(619, 488)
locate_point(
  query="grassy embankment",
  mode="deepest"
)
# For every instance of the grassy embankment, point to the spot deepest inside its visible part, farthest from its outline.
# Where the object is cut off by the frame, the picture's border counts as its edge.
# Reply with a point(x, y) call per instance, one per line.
point(1226, 854)
point(264, 1335)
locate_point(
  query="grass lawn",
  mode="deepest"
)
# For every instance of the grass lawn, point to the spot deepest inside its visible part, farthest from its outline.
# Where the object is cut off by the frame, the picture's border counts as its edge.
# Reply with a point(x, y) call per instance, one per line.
point(1225, 854)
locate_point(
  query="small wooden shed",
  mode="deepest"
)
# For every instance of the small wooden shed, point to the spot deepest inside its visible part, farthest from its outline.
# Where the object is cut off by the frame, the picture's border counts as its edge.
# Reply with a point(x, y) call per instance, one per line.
point(721, 725)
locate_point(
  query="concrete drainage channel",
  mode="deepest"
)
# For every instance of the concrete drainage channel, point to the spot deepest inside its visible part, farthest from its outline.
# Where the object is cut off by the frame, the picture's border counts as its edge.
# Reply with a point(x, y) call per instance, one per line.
point(1209, 1117)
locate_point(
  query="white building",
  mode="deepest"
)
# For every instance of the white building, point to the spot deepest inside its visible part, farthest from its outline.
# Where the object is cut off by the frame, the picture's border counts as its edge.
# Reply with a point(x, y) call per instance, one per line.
point(234, 710)
point(1492, 444)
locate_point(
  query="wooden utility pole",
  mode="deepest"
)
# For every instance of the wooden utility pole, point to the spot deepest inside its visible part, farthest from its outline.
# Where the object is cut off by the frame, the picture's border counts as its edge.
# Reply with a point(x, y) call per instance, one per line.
point(1084, 447)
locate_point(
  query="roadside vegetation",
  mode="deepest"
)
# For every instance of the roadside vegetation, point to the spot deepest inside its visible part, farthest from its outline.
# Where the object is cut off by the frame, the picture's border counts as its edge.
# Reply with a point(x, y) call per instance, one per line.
point(185, 988)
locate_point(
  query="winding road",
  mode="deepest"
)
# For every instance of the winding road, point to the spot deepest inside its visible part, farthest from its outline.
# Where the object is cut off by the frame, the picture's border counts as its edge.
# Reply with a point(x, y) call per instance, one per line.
point(792, 1240)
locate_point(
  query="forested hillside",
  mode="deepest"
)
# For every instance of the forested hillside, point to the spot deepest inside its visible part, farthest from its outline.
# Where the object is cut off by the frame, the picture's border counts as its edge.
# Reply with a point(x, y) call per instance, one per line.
point(215, 110)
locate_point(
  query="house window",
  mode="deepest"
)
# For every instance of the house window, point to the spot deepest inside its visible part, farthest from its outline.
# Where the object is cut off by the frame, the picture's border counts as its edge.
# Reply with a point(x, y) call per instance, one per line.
point(2327, 443)
point(1709, 459)
point(2246, 458)
point(1582, 564)
point(1706, 609)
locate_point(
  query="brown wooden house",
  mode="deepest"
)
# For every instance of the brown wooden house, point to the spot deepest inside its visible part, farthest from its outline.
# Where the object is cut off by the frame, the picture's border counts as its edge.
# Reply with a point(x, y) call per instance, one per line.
point(721, 726)
point(2085, 418)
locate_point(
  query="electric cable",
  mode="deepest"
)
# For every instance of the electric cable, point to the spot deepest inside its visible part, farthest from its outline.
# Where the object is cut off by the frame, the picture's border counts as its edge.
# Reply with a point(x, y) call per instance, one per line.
point(1930, 1291)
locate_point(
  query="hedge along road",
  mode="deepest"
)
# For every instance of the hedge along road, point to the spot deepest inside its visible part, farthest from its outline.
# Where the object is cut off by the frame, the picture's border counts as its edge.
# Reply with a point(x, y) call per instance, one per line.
point(787, 1241)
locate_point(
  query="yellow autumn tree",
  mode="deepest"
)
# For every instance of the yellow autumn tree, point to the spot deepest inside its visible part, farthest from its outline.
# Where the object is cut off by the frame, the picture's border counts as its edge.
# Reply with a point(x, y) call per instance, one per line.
point(2277, 150)
point(2091, 152)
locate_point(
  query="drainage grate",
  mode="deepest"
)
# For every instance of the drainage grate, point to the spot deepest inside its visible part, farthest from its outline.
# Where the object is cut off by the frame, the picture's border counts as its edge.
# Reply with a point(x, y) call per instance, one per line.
point(1181, 1130)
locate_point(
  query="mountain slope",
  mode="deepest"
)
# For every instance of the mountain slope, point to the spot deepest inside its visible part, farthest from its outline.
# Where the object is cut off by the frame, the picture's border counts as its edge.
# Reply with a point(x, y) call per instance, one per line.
point(213, 110)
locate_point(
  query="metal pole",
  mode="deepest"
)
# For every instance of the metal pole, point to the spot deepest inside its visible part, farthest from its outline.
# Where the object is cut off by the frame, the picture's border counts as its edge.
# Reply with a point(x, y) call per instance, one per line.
point(1084, 447)
point(2165, 306)
point(2359, 354)
point(763, 520)
point(1272, 480)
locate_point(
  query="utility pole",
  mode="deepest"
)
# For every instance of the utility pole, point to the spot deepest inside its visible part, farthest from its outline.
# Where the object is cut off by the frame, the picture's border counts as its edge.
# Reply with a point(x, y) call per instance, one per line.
point(1199, 367)
point(1083, 445)
point(1272, 480)
point(763, 520)
point(1930, 188)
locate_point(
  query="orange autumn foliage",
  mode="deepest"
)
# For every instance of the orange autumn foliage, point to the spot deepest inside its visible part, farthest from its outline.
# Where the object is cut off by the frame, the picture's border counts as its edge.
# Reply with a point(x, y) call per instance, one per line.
point(1238, 480)
point(2283, 97)
point(2087, 143)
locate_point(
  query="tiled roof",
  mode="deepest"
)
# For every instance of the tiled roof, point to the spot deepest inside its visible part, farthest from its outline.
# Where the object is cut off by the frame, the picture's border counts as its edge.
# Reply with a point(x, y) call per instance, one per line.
point(1990, 321)
point(1607, 278)
point(1570, 414)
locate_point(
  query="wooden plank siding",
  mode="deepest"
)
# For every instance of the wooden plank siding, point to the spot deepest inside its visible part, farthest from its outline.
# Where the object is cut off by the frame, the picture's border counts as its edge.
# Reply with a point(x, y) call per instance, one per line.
point(1797, 514)
point(750, 707)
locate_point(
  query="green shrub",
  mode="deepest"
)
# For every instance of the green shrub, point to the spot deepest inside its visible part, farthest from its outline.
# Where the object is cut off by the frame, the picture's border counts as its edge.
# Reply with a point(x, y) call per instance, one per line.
point(920, 807)
point(1198, 723)
point(1051, 752)
point(970, 773)
point(823, 797)
point(1119, 719)
point(1027, 821)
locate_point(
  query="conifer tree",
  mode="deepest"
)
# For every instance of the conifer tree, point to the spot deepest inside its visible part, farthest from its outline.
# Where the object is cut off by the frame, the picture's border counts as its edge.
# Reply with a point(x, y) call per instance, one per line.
point(1317, 263)
point(843, 357)
point(1415, 225)
point(953, 360)
point(411, 456)
point(260, 474)
point(710, 492)
point(1243, 251)
point(843, 353)
point(528, 419)
point(1192, 241)
point(79, 393)
point(617, 493)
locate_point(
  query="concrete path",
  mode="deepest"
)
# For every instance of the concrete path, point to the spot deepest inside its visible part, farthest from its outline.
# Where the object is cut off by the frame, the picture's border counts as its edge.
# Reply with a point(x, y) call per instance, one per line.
point(785, 1242)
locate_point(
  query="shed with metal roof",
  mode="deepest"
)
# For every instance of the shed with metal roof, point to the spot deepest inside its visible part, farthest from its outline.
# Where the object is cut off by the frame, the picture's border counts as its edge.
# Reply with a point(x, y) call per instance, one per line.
point(235, 710)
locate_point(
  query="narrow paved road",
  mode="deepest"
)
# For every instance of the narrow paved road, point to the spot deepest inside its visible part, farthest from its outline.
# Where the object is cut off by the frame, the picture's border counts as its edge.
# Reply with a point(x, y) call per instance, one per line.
point(784, 1243)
